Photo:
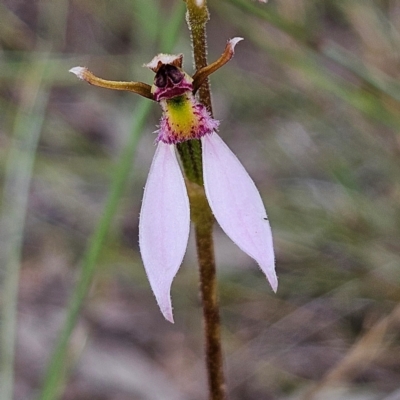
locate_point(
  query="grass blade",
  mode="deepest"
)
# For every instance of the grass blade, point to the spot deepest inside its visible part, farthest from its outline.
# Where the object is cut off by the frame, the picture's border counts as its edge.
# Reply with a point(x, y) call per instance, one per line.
point(27, 128)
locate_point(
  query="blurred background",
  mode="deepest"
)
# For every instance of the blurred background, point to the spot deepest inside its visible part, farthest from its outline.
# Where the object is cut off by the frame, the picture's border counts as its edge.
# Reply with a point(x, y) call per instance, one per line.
point(310, 105)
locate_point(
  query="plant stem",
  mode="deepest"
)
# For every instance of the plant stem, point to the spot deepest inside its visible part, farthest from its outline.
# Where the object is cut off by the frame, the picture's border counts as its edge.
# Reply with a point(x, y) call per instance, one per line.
point(203, 220)
point(197, 19)
point(208, 284)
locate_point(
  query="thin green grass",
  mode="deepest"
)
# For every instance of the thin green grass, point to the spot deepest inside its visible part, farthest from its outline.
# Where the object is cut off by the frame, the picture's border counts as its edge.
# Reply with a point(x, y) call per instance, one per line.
point(18, 173)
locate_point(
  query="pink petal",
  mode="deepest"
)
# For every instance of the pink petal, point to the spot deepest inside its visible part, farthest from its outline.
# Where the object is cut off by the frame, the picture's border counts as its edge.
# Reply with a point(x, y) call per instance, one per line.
point(237, 205)
point(164, 224)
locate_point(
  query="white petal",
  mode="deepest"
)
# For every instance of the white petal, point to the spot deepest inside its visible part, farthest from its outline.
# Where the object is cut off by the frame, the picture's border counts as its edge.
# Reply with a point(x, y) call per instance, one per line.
point(79, 72)
point(164, 224)
point(237, 205)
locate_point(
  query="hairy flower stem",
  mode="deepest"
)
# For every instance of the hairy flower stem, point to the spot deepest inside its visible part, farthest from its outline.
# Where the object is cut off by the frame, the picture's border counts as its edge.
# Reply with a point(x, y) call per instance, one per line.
point(197, 17)
point(190, 154)
point(208, 286)
point(203, 220)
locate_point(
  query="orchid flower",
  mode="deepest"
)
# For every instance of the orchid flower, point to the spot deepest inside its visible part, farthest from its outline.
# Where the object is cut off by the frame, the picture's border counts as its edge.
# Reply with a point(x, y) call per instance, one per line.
point(232, 195)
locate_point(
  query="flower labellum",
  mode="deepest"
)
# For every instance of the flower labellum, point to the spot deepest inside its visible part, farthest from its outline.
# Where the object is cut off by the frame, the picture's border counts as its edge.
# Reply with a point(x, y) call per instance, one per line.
point(232, 195)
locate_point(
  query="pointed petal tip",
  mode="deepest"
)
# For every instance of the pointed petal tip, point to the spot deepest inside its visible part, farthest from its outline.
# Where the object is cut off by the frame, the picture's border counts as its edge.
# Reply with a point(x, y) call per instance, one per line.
point(166, 307)
point(78, 71)
point(168, 316)
point(269, 270)
point(165, 304)
point(273, 281)
point(233, 42)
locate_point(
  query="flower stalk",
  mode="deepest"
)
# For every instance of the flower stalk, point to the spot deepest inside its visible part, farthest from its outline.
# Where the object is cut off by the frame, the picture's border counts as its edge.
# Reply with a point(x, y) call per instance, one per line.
point(203, 222)
point(197, 17)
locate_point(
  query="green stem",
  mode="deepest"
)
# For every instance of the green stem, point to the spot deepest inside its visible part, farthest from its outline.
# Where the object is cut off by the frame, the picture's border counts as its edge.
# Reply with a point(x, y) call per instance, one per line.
point(190, 154)
point(203, 220)
point(197, 20)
